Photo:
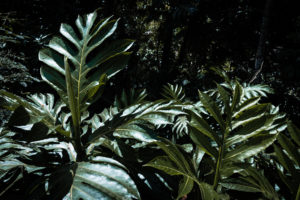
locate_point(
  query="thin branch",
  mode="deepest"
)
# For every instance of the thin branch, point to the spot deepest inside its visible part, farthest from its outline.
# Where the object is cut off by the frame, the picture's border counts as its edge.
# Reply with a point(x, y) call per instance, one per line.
point(257, 72)
point(259, 59)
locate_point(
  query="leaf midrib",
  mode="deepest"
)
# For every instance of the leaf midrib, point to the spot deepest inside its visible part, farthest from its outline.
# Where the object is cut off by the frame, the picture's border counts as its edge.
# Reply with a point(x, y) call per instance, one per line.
point(80, 71)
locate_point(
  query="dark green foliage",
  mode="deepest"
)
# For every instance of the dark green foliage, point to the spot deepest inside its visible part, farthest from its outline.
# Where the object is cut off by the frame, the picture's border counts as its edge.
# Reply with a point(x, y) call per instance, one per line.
point(238, 129)
point(39, 119)
point(84, 142)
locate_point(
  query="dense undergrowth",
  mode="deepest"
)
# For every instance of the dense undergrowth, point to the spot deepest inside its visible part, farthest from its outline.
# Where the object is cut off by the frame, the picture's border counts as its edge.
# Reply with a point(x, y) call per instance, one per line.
point(226, 145)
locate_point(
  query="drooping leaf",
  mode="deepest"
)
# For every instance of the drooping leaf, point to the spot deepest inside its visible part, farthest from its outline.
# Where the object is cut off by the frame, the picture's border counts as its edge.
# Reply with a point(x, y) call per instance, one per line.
point(174, 154)
point(175, 164)
point(290, 148)
point(212, 108)
point(252, 147)
point(197, 157)
point(198, 123)
point(287, 157)
point(203, 142)
point(255, 177)
point(284, 160)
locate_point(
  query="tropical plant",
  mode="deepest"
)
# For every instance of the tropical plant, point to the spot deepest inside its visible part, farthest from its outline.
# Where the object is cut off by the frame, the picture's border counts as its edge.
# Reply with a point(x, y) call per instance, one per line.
point(57, 149)
point(57, 144)
point(233, 130)
point(46, 140)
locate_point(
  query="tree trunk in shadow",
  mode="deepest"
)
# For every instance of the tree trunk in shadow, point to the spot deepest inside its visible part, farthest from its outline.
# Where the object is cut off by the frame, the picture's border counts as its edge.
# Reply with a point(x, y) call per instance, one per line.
point(259, 59)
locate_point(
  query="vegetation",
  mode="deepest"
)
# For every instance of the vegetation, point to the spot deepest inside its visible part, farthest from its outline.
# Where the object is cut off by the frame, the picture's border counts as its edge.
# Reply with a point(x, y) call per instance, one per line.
point(222, 142)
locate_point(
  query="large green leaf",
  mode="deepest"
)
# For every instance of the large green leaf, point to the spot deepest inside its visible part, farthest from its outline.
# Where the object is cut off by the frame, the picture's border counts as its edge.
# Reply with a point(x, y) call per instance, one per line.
point(233, 135)
point(88, 54)
point(105, 179)
point(101, 178)
point(246, 104)
point(175, 164)
point(249, 114)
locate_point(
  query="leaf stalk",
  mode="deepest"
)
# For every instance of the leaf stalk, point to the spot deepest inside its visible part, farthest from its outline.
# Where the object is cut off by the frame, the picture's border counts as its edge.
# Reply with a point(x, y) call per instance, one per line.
point(75, 111)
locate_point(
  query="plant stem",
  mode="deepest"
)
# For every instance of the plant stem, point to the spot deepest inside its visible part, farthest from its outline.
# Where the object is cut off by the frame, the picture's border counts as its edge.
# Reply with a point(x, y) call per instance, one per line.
point(75, 111)
point(218, 166)
point(220, 157)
